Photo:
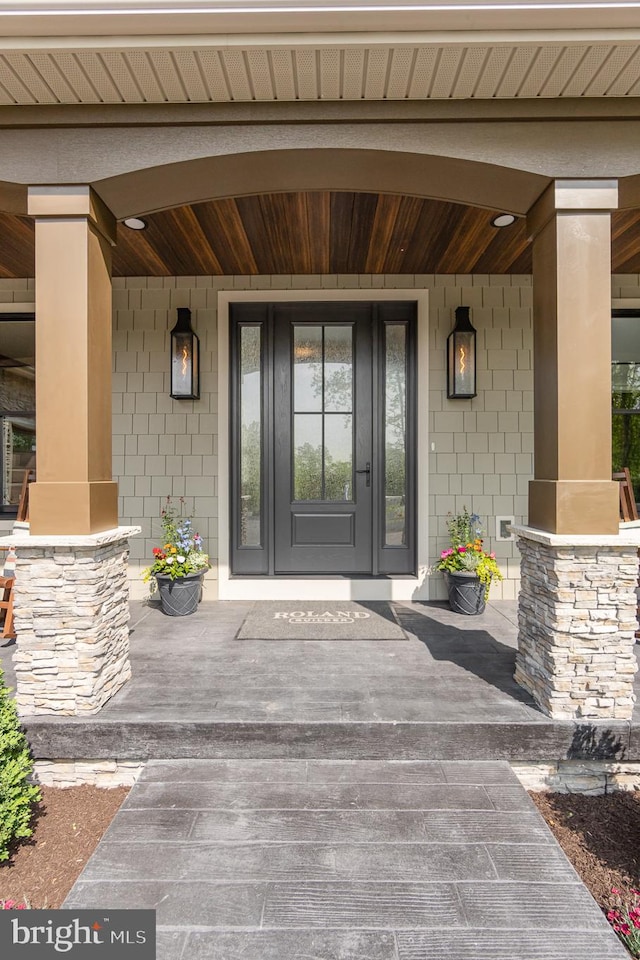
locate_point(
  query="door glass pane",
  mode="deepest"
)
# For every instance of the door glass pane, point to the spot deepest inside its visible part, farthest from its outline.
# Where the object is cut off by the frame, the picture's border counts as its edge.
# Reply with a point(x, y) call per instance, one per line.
point(338, 369)
point(250, 436)
point(307, 456)
point(307, 368)
point(395, 434)
point(338, 456)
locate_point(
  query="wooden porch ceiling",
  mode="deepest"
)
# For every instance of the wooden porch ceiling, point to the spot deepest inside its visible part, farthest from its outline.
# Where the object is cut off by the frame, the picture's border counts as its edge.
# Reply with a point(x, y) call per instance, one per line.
point(314, 233)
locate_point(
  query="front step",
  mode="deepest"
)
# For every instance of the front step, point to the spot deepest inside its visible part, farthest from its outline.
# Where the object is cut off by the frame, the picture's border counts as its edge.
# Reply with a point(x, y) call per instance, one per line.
point(343, 860)
point(539, 741)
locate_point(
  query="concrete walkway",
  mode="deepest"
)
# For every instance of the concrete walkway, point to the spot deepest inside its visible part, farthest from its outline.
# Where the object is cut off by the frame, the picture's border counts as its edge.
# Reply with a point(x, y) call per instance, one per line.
point(343, 860)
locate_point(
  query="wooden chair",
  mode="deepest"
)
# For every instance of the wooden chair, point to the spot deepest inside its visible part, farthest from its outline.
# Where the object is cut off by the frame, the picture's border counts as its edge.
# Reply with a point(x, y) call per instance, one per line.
point(628, 507)
point(6, 604)
point(628, 511)
point(22, 516)
point(7, 583)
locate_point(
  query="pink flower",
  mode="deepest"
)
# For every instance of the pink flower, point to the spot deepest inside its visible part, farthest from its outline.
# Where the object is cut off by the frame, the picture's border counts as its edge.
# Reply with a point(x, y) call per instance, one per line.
point(492, 555)
point(615, 890)
point(462, 549)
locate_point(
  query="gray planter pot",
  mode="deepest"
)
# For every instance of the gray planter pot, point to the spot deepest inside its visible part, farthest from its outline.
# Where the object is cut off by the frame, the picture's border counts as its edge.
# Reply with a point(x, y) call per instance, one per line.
point(180, 597)
point(466, 593)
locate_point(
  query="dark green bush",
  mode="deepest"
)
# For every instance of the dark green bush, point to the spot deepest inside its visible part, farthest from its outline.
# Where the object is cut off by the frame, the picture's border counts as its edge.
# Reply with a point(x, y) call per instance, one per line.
point(17, 795)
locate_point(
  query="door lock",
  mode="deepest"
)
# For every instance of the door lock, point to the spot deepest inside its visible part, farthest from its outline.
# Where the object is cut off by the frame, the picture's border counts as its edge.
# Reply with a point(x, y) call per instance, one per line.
point(366, 470)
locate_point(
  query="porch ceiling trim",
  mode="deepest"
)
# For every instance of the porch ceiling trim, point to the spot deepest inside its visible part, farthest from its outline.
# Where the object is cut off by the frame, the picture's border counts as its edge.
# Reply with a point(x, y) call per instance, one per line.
point(327, 68)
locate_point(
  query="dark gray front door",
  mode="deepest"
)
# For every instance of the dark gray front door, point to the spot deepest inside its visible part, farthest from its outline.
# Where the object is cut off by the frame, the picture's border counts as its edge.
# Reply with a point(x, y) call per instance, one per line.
point(323, 438)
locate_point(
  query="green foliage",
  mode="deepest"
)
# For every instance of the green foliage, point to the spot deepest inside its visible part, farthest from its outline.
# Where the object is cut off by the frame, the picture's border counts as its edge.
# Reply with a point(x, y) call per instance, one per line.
point(17, 796)
point(626, 446)
point(22, 440)
point(625, 404)
point(464, 528)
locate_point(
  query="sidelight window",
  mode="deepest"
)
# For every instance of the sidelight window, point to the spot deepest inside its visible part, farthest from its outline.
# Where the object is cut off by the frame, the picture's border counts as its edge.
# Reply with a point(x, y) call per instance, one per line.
point(250, 410)
point(395, 434)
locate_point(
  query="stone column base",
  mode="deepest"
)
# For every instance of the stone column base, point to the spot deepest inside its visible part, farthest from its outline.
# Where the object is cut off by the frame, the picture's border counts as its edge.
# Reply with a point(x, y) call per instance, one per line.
point(577, 623)
point(71, 614)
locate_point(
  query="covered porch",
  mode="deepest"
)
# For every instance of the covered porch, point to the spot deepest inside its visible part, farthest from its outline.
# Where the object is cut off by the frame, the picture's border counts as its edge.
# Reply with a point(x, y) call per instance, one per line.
point(577, 600)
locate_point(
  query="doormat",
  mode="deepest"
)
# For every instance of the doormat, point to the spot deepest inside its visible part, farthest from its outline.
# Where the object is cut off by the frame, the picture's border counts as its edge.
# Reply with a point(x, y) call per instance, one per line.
point(321, 620)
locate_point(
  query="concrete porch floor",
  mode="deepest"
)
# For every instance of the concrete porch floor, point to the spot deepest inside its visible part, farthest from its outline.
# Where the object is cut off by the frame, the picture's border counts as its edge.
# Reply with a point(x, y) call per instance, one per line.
point(447, 692)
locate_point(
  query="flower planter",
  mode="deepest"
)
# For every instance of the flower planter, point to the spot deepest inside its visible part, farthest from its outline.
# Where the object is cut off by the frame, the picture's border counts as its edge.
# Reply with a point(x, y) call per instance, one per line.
point(466, 592)
point(180, 597)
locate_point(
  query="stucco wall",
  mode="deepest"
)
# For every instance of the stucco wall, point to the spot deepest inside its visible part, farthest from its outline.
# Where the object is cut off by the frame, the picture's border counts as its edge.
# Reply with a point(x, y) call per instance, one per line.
point(481, 449)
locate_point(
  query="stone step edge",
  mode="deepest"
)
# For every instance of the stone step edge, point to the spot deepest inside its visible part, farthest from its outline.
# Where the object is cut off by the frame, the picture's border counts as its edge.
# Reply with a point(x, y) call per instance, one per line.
point(591, 777)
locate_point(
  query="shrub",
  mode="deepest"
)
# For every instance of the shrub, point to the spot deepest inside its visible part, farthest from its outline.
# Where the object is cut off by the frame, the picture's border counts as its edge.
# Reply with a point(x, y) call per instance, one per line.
point(17, 795)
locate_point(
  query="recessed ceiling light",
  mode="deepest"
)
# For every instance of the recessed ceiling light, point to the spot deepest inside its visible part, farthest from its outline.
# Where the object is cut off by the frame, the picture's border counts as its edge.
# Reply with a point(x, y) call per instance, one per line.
point(135, 223)
point(502, 220)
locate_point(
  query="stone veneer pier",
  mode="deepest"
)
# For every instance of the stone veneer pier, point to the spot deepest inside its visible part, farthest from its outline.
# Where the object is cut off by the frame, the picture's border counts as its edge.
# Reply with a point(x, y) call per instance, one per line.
point(71, 620)
point(577, 623)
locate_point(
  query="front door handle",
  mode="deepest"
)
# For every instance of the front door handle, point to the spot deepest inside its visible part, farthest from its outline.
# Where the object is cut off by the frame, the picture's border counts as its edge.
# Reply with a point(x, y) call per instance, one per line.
point(366, 470)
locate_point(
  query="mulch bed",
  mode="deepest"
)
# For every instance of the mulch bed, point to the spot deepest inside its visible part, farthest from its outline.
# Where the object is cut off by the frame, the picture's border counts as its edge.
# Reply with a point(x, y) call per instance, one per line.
point(68, 825)
point(600, 836)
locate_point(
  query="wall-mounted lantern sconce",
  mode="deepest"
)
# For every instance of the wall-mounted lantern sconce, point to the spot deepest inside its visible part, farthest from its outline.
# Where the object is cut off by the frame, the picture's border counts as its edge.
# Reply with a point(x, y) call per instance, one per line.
point(461, 358)
point(185, 359)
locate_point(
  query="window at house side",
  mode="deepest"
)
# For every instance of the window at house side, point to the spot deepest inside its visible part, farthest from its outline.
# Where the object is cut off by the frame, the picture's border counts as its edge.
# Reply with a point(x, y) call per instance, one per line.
point(17, 406)
point(625, 393)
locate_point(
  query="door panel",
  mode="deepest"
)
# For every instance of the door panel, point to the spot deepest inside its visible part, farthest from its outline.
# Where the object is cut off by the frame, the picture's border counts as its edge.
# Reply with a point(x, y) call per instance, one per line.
point(323, 528)
point(323, 436)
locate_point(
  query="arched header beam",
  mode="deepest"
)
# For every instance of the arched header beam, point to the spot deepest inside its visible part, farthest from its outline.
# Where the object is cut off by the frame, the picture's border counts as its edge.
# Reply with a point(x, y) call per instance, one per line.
point(275, 171)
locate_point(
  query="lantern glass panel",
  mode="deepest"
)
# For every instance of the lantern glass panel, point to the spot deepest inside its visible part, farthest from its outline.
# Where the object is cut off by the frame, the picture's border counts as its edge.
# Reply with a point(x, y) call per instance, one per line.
point(462, 364)
point(184, 365)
